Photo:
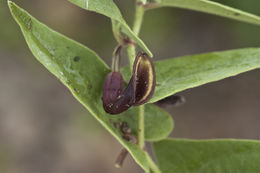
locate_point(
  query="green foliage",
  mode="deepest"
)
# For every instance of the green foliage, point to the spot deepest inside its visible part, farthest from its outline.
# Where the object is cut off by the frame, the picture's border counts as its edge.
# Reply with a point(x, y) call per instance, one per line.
point(203, 156)
point(72, 63)
point(109, 9)
point(186, 72)
point(212, 8)
point(83, 72)
point(158, 123)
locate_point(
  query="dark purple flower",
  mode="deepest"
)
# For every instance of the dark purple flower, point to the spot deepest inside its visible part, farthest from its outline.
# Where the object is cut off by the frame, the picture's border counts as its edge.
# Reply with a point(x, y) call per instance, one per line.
point(138, 91)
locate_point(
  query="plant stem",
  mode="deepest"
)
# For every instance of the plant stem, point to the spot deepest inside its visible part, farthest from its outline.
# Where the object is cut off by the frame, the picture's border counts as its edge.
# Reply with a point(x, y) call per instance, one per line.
point(131, 55)
point(116, 59)
point(115, 29)
point(152, 165)
point(141, 141)
point(139, 13)
point(120, 159)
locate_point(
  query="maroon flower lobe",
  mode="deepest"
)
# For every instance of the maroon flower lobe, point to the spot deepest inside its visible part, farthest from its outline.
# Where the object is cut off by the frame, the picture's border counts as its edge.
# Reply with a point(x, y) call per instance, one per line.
point(138, 91)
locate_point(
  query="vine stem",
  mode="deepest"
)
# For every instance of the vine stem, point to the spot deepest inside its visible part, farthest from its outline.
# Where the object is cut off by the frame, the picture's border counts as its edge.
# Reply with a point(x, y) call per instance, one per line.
point(141, 141)
point(139, 13)
point(153, 166)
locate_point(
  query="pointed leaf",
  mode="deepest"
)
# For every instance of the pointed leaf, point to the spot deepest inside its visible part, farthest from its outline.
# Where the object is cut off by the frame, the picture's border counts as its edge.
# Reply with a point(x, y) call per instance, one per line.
point(109, 9)
point(204, 156)
point(211, 8)
point(83, 72)
point(177, 74)
point(58, 54)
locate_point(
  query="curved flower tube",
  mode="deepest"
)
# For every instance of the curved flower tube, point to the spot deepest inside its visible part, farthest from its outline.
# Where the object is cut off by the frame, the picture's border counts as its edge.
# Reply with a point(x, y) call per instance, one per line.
point(138, 91)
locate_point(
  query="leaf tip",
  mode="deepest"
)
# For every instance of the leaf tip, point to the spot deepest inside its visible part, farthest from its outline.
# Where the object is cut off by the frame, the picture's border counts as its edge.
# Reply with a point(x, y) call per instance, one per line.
point(13, 9)
point(23, 19)
point(10, 4)
point(149, 53)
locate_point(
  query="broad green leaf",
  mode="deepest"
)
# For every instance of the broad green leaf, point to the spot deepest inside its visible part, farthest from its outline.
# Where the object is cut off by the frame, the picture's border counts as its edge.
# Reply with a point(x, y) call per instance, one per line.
point(212, 8)
point(158, 123)
point(177, 74)
point(204, 156)
point(109, 9)
point(83, 72)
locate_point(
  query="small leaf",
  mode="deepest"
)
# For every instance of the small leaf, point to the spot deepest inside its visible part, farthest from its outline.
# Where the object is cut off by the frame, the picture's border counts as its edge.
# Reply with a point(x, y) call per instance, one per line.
point(212, 8)
point(158, 123)
point(204, 156)
point(109, 9)
point(177, 74)
point(83, 72)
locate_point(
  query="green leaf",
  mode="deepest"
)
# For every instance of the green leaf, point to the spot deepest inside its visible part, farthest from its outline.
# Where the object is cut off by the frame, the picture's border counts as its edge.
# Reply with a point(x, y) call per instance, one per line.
point(212, 8)
point(177, 74)
point(109, 9)
point(83, 72)
point(158, 123)
point(204, 156)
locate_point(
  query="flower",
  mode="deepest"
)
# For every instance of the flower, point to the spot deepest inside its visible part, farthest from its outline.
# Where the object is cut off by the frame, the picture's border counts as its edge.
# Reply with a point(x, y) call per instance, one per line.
point(138, 91)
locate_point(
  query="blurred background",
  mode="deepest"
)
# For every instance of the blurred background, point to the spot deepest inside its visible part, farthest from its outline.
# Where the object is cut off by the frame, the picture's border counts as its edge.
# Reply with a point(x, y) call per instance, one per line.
point(43, 129)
